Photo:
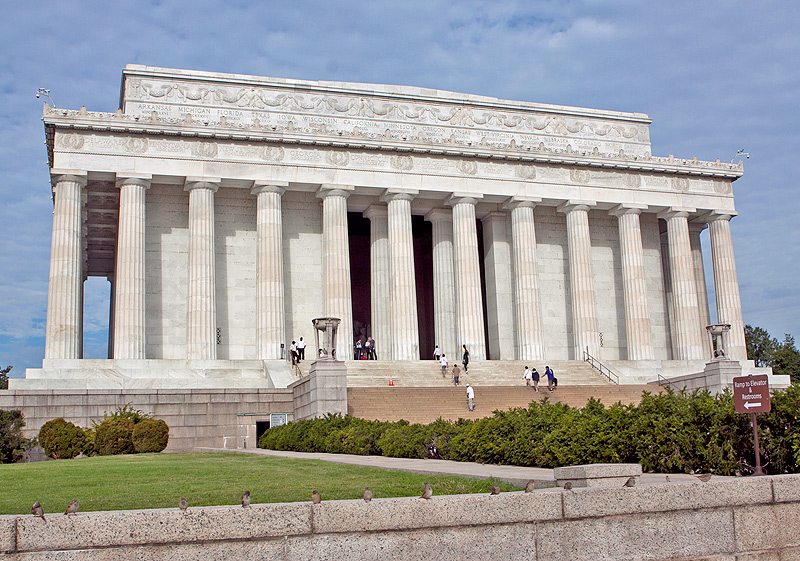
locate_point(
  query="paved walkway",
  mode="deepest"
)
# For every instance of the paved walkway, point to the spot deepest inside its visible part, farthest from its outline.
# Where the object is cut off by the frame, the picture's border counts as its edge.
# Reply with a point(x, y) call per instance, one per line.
point(514, 475)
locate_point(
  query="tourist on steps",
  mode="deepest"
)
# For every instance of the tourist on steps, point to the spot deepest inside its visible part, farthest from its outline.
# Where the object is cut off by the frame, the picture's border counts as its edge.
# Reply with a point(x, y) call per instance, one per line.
point(465, 358)
point(535, 378)
point(443, 362)
point(527, 376)
point(456, 374)
point(551, 378)
point(470, 398)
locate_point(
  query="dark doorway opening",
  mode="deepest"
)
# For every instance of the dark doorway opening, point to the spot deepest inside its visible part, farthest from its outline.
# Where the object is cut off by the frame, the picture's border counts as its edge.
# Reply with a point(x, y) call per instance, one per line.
point(261, 428)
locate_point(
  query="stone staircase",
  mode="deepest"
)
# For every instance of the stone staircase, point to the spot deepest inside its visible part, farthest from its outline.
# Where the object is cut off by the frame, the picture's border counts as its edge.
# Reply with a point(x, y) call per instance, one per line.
point(428, 373)
point(426, 404)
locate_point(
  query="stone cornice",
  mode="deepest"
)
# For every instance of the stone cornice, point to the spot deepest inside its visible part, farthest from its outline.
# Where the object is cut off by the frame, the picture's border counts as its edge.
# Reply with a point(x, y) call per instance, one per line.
point(191, 128)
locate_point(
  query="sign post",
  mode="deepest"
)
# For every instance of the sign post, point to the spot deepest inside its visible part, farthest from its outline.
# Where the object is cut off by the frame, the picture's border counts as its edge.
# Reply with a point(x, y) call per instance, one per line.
point(751, 395)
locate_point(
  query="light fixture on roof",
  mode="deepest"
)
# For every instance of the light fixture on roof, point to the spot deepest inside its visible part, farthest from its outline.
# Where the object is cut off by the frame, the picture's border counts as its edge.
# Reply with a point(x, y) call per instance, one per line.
point(740, 153)
point(46, 93)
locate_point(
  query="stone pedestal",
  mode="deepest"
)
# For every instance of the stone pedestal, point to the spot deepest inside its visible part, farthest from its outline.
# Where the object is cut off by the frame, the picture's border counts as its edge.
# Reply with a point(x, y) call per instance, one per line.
point(322, 392)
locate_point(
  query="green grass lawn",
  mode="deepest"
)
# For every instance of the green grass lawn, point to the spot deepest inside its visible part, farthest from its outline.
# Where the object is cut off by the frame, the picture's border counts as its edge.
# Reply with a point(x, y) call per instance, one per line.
point(159, 480)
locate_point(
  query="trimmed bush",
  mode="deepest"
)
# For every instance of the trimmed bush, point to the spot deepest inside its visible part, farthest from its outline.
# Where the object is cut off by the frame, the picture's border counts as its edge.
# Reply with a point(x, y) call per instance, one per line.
point(668, 432)
point(114, 436)
point(150, 435)
point(61, 439)
point(12, 443)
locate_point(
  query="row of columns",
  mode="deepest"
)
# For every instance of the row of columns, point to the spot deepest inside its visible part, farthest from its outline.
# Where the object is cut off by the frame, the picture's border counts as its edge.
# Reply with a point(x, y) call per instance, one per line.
point(458, 300)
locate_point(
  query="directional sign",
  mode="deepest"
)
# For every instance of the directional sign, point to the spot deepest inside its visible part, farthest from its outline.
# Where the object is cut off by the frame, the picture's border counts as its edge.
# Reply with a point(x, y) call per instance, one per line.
point(751, 394)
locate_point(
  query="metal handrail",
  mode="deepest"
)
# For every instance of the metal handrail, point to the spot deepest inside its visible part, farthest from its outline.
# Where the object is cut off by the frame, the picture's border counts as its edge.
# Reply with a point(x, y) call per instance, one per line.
point(600, 367)
point(671, 384)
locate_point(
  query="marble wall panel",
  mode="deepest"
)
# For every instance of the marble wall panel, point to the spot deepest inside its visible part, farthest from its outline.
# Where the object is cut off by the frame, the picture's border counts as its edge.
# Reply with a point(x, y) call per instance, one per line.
point(551, 255)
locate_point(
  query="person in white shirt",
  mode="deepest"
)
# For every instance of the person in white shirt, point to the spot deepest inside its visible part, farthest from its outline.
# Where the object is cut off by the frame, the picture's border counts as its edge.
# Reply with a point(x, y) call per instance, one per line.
point(293, 350)
point(528, 375)
point(470, 398)
point(301, 350)
point(437, 353)
point(443, 362)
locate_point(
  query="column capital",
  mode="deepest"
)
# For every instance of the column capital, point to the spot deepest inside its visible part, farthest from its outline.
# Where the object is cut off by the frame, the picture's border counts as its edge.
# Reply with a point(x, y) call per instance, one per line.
point(335, 190)
point(142, 180)
point(376, 211)
point(677, 212)
point(269, 187)
point(211, 183)
point(575, 204)
point(399, 195)
point(521, 202)
point(720, 215)
point(697, 226)
point(78, 176)
point(627, 208)
point(439, 215)
point(463, 198)
point(495, 214)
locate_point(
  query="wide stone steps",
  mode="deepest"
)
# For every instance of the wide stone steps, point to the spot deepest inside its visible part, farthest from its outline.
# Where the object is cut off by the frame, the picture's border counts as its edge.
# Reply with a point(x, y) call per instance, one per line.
point(426, 404)
point(427, 373)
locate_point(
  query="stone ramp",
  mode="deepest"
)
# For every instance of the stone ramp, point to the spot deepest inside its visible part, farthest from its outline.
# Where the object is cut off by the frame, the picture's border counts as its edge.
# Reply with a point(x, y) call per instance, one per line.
point(427, 373)
point(426, 404)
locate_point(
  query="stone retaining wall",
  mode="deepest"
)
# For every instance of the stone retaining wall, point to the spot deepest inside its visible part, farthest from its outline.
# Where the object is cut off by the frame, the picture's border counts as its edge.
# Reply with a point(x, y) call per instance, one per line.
point(216, 418)
point(745, 518)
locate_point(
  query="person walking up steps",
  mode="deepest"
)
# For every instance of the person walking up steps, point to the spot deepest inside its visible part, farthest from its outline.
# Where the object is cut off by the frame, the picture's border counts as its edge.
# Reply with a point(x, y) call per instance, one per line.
point(456, 374)
point(535, 378)
point(551, 378)
point(470, 398)
point(527, 376)
point(443, 362)
point(437, 353)
point(465, 358)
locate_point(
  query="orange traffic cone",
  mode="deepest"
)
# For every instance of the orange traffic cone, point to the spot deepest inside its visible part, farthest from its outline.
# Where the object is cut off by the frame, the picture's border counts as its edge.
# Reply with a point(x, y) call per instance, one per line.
point(391, 382)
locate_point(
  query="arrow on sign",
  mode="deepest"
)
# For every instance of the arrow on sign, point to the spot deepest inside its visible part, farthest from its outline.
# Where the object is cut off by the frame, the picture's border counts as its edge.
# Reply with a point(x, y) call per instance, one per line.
point(751, 404)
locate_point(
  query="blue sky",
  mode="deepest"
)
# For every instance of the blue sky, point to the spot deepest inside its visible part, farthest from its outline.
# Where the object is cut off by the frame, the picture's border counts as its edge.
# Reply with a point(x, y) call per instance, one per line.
point(715, 76)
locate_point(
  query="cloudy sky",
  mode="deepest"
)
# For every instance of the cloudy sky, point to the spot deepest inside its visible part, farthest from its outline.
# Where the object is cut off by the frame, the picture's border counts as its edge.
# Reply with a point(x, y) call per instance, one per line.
point(715, 76)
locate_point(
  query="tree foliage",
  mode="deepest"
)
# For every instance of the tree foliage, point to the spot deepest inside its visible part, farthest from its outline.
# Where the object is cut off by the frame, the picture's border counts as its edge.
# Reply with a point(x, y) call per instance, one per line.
point(765, 350)
point(12, 443)
point(4, 377)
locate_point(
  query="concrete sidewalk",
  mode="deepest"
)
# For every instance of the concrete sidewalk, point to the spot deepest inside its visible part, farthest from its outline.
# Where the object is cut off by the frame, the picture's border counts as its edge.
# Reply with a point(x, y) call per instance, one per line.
point(515, 475)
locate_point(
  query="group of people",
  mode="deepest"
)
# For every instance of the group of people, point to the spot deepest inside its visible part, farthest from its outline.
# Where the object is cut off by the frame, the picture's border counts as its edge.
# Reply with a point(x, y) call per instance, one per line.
point(365, 351)
point(298, 351)
point(532, 375)
point(456, 373)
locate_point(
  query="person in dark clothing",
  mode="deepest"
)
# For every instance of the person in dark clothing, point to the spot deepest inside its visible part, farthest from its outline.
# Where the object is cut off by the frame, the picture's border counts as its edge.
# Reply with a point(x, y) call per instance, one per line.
point(465, 358)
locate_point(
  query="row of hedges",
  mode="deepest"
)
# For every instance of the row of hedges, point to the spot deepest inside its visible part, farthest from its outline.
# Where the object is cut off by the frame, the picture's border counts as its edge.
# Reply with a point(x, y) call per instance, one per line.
point(126, 431)
point(669, 432)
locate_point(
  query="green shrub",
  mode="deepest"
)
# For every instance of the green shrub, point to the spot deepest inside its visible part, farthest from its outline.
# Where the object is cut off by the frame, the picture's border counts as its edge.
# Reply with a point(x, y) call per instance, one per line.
point(114, 436)
point(88, 446)
point(403, 440)
point(12, 443)
point(61, 439)
point(150, 435)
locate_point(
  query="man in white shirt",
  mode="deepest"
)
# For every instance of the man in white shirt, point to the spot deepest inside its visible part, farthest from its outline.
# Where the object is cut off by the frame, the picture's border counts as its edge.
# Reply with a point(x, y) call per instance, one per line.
point(528, 375)
point(437, 353)
point(470, 398)
point(301, 350)
point(443, 362)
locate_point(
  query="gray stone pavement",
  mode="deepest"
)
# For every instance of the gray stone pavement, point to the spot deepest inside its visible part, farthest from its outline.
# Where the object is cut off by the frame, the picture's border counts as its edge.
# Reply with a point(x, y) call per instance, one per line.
point(515, 475)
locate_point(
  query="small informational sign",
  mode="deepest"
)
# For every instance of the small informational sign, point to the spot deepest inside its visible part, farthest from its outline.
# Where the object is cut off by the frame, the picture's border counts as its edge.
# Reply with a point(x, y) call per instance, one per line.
point(277, 419)
point(751, 394)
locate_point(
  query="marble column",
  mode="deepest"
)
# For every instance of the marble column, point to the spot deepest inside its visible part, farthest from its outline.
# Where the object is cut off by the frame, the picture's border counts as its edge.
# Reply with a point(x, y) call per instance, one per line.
point(380, 329)
point(527, 295)
point(337, 292)
point(270, 311)
point(499, 285)
point(63, 337)
point(444, 288)
point(469, 297)
point(726, 285)
point(669, 300)
point(201, 325)
point(700, 279)
point(130, 330)
point(638, 330)
point(687, 338)
point(403, 287)
point(585, 329)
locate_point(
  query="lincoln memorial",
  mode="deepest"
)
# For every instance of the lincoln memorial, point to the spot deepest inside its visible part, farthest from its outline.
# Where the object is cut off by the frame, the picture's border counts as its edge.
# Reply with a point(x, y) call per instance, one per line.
point(228, 211)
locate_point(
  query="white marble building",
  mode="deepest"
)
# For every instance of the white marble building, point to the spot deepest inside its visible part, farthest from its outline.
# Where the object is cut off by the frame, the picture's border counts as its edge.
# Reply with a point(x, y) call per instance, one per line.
point(227, 211)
